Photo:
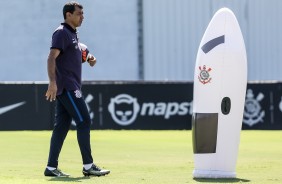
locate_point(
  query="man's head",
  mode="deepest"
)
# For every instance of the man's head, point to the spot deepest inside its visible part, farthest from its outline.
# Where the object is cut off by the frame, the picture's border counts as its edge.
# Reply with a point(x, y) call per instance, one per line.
point(73, 13)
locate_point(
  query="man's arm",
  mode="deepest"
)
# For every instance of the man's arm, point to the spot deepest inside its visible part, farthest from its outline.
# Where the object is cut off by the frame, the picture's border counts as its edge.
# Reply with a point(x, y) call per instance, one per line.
point(51, 67)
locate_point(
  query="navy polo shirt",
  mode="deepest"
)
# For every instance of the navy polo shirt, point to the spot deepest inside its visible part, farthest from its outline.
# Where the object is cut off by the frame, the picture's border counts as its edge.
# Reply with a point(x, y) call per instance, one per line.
point(68, 63)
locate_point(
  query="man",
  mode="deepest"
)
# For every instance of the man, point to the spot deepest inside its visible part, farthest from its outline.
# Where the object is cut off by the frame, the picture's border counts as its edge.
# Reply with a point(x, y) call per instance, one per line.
point(64, 71)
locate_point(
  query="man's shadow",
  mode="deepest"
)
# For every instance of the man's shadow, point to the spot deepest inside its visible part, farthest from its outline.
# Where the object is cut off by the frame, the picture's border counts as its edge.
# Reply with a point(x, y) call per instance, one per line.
point(70, 179)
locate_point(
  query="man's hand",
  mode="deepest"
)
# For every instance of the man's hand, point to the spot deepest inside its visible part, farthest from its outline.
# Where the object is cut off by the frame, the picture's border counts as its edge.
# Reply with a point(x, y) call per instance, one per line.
point(51, 92)
point(92, 60)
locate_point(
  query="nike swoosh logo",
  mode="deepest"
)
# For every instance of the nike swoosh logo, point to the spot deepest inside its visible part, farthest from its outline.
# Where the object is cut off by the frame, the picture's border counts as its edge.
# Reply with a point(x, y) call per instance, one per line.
point(10, 107)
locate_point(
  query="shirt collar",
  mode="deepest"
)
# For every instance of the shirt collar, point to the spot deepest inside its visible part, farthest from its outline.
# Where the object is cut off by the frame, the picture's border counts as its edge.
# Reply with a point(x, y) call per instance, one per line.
point(69, 27)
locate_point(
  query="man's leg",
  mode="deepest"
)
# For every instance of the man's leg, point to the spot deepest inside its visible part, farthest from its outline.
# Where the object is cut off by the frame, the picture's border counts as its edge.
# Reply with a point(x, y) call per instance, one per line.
point(61, 128)
point(78, 110)
point(76, 107)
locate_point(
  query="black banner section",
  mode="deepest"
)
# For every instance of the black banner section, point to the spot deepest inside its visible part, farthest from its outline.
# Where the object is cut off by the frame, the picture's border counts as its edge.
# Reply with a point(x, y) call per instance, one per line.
point(23, 107)
point(263, 106)
point(140, 105)
point(133, 105)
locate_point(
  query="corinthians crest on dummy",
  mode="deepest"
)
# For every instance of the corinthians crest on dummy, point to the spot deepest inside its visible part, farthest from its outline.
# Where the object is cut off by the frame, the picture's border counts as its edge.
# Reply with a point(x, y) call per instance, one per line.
point(204, 76)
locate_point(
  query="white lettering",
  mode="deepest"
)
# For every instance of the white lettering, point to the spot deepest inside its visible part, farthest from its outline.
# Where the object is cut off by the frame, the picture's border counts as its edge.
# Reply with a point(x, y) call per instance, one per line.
point(183, 108)
point(172, 109)
point(145, 106)
point(165, 109)
point(160, 109)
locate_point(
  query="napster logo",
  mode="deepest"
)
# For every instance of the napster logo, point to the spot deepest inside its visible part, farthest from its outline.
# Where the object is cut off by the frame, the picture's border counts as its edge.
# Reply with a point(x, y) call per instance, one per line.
point(124, 109)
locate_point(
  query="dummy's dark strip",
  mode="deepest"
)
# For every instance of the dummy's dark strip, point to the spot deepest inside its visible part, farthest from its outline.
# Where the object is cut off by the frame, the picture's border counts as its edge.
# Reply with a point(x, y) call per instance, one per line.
point(204, 132)
point(213, 43)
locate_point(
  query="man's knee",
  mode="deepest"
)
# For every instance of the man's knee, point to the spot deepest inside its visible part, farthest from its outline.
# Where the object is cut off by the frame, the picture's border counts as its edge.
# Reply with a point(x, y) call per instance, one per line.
point(83, 124)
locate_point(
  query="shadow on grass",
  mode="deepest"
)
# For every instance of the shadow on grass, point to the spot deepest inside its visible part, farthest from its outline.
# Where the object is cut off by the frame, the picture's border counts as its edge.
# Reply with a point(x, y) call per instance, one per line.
point(222, 180)
point(69, 179)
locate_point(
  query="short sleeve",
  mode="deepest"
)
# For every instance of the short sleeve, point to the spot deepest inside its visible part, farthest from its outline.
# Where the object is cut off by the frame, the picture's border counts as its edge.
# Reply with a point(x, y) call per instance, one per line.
point(59, 40)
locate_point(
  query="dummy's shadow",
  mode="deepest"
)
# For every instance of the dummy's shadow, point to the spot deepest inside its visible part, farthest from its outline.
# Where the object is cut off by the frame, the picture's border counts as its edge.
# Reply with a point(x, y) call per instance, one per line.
point(221, 180)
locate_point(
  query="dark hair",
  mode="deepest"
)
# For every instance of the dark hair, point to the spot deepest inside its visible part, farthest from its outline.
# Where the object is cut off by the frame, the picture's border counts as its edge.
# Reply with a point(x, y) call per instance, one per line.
point(70, 7)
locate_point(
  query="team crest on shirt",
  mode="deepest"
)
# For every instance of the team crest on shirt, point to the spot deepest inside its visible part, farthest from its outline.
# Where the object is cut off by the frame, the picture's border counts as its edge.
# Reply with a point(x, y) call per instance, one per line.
point(77, 93)
point(204, 76)
point(74, 40)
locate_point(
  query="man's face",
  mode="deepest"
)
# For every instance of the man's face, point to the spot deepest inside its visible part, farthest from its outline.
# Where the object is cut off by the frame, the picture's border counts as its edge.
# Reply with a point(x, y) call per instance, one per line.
point(77, 17)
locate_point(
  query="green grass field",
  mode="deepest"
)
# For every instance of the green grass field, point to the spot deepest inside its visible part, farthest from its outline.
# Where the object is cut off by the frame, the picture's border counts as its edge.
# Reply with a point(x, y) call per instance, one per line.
point(135, 157)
